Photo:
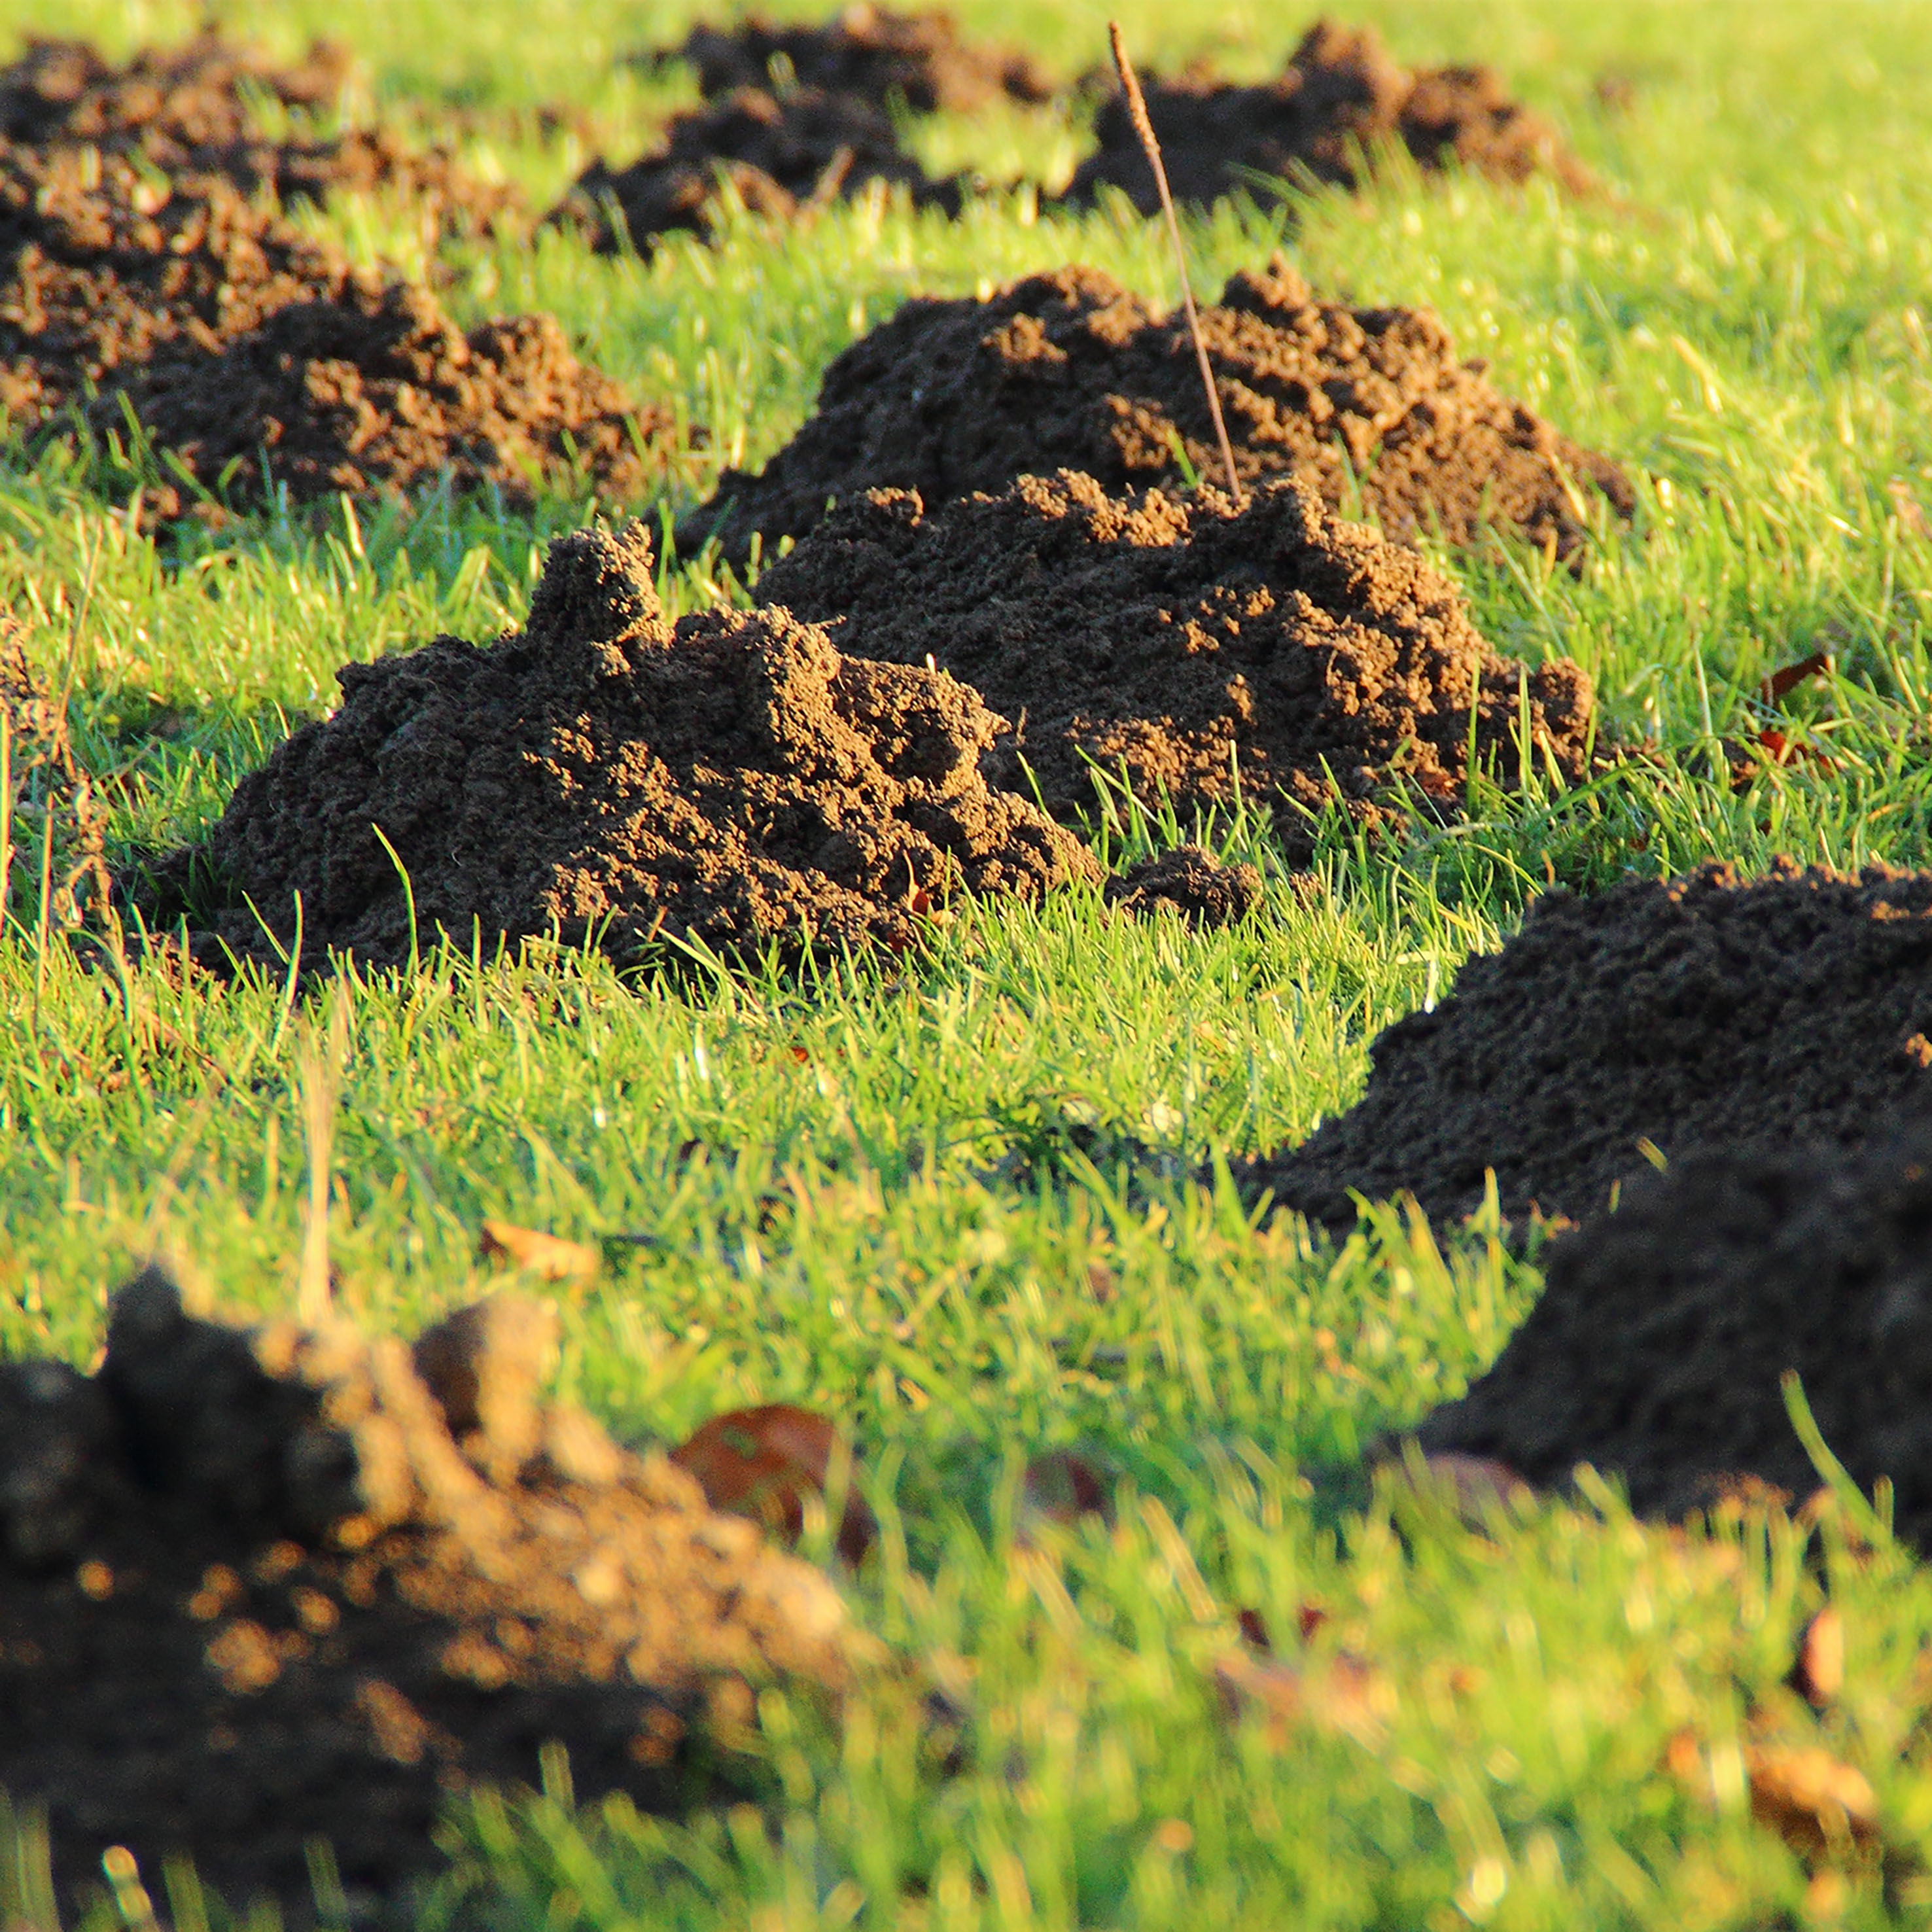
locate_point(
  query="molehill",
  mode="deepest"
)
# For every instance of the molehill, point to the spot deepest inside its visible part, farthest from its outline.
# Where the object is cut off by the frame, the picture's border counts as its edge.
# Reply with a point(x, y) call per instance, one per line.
point(1190, 883)
point(1070, 370)
point(1762, 1016)
point(1275, 650)
point(733, 781)
point(262, 1583)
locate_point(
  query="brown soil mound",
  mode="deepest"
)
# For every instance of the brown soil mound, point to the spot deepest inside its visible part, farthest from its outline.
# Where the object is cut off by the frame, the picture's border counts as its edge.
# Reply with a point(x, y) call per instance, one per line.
point(1657, 1350)
point(1184, 641)
point(1190, 882)
point(186, 110)
point(1070, 370)
point(262, 1584)
point(734, 781)
point(1342, 96)
point(871, 52)
point(778, 154)
point(1758, 1016)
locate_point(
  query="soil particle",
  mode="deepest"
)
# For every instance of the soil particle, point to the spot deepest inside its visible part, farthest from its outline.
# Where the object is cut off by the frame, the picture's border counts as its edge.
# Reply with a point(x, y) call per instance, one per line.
point(1657, 1350)
point(734, 782)
point(873, 53)
point(1342, 96)
point(253, 1591)
point(1188, 881)
point(1760, 1015)
point(1070, 370)
point(1209, 653)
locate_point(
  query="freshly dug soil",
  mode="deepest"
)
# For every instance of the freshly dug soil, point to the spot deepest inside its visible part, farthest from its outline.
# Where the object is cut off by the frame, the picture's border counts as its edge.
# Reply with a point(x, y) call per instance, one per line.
point(1759, 1015)
point(779, 154)
point(259, 1584)
point(1656, 1351)
point(734, 782)
point(870, 52)
point(1185, 642)
point(1342, 96)
point(186, 111)
point(1070, 370)
point(1190, 882)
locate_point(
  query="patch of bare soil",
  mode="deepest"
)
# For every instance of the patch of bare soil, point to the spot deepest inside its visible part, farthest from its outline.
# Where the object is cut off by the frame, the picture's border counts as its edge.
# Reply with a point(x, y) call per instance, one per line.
point(189, 111)
point(1185, 643)
point(873, 53)
point(1070, 370)
point(1189, 882)
point(1761, 1016)
point(733, 781)
point(262, 1584)
point(780, 154)
point(1342, 96)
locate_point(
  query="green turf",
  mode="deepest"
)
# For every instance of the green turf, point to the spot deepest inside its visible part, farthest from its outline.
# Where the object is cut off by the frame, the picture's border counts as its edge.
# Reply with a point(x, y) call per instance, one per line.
point(887, 1194)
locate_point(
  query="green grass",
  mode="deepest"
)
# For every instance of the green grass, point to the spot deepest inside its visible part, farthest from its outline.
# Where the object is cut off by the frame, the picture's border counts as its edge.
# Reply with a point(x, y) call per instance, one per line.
point(887, 1193)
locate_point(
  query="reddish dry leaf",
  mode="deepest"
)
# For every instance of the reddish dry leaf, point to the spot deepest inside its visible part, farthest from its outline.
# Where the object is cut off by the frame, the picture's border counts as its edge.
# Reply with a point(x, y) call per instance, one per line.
point(1818, 1674)
point(1814, 1801)
point(763, 1463)
point(1100, 1283)
point(1781, 683)
point(1061, 1487)
point(1346, 1695)
point(547, 1256)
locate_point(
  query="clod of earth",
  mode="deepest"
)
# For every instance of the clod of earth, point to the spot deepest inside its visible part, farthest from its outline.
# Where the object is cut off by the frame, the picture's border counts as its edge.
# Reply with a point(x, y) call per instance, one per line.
point(872, 52)
point(1070, 370)
point(1657, 1349)
point(1207, 652)
point(1342, 96)
point(259, 1584)
point(1760, 1015)
point(734, 782)
point(1190, 882)
point(778, 154)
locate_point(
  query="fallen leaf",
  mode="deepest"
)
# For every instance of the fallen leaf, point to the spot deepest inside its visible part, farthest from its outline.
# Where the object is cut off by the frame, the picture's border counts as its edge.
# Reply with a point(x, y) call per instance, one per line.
point(1346, 1695)
point(763, 1462)
point(1100, 1283)
point(1061, 1487)
point(1814, 1801)
point(548, 1257)
point(1781, 683)
point(1818, 1674)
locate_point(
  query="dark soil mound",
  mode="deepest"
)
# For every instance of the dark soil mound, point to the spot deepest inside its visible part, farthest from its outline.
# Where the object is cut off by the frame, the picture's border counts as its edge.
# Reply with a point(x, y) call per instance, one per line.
point(778, 155)
point(187, 111)
point(1185, 642)
point(733, 781)
point(259, 1585)
point(1190, 882)
point(1342, 96)
point(871, 52)
point(1070, 371)
point(1758, 1016)
point(1657, 1349)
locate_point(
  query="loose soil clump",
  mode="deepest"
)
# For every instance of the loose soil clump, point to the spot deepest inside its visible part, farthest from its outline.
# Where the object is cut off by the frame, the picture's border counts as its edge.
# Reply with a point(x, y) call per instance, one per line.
point(779, 154)
point(1342, 96)
point(732, 782)
point(1759, 1015)
point(1189, 882)
point(872, 52)
point(1205, 653)
point(1657, 1350)
point(1070, 370)
point(262, 1583)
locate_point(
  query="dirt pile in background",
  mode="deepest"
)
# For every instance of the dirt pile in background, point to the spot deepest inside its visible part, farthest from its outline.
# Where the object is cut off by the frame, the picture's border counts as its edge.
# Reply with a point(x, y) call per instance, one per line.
point(189, 111)
point(733, 780)
point(778, 154)
point(1758, 1015)
point(1189, 882)
point(1070, 370)
point(260, 1584)
point(1185, 643)
point(872, 52)
point(1342, 96)
point(1657, 1350)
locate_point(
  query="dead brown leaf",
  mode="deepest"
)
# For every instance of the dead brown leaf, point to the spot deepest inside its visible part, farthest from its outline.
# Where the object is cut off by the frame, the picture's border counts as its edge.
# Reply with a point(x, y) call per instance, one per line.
point(763, 1462)
point(549, 1257)
point(1815, 1802)
point(1819, 1673)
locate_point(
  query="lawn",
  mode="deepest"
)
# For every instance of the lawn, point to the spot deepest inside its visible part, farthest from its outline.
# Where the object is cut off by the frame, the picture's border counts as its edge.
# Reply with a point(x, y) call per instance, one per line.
point(910, 1193)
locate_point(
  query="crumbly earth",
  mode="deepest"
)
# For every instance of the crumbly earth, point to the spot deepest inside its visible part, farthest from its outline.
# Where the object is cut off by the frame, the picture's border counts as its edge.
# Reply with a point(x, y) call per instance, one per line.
point(733, 782)
point(1189, 882)
point(1657, 1351)
point(1207, 652)
point(1762, 1016)
point(1070, 370)
point(260, 1584)
point(1342, 96)
point(873, 53)
point(779, 154)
